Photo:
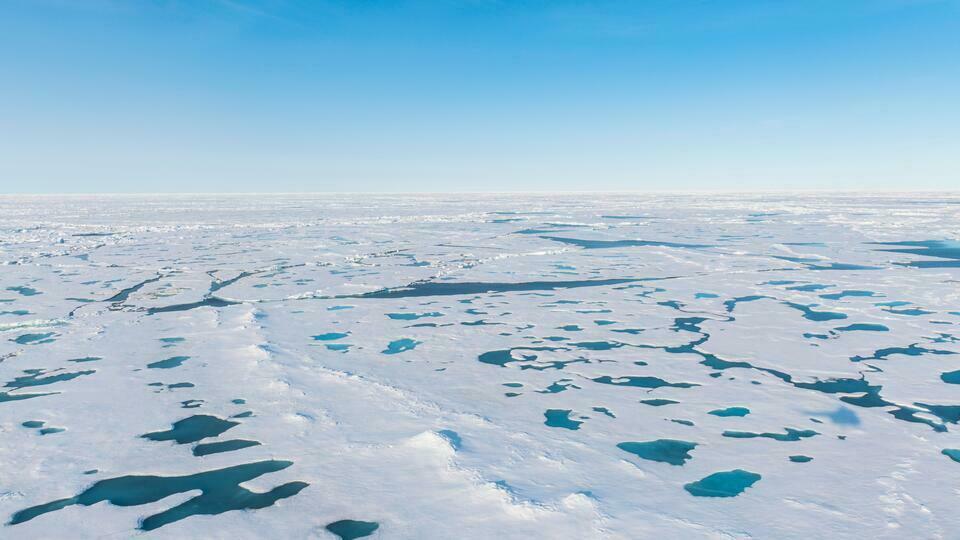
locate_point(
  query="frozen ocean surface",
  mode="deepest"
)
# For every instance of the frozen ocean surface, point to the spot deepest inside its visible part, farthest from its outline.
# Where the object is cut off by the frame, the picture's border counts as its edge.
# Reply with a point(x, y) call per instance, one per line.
point(480, 366)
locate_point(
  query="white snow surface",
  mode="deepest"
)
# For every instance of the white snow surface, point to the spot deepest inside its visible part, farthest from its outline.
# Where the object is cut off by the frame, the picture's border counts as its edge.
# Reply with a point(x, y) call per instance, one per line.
point(428, 442)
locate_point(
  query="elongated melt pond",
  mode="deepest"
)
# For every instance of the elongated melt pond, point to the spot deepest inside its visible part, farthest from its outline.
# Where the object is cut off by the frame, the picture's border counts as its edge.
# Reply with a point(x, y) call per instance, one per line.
point(723, 484)
point(669, 451)
point(220, 492)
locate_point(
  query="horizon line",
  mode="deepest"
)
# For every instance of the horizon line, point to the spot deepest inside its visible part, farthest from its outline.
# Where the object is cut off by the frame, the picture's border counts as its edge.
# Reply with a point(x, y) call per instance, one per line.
point(491, 192)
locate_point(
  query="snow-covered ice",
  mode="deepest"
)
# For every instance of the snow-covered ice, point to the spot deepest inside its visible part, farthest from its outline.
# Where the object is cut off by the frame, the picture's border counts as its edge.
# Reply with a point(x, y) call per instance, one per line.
point(480, 366)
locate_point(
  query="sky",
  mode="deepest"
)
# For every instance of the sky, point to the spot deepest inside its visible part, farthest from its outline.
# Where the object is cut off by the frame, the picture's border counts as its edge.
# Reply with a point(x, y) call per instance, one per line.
point(478, 95)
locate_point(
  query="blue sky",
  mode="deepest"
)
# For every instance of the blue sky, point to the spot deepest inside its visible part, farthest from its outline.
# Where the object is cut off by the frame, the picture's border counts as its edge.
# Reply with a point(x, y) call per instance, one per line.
point(464, 95)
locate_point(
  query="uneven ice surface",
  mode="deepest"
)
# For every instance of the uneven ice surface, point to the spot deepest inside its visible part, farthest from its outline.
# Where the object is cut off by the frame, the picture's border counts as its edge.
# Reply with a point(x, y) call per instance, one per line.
point(483, 366)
